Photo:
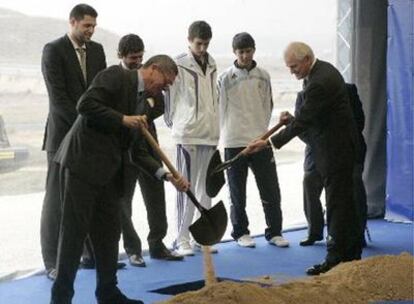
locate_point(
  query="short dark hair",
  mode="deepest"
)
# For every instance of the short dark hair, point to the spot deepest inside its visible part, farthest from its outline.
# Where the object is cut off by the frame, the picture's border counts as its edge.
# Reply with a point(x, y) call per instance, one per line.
point(80, 10)
point(130, 43)
point(164, 62)
point(199, 29)
point(243, 41)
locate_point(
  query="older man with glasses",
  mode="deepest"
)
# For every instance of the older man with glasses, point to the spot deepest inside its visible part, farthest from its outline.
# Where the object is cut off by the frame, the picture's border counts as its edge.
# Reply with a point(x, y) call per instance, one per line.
point(91, 157)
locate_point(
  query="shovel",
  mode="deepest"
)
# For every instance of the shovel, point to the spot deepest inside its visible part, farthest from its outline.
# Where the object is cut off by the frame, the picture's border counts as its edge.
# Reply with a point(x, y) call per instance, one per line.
point(215, 180)
point(210, 227)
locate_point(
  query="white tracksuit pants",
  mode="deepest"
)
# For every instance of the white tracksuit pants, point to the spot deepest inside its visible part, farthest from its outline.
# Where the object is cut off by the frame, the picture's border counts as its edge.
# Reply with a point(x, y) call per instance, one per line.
point(192, 162)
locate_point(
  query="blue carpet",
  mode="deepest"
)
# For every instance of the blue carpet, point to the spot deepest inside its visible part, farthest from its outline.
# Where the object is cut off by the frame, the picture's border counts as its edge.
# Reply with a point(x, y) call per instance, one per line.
point(232, 262)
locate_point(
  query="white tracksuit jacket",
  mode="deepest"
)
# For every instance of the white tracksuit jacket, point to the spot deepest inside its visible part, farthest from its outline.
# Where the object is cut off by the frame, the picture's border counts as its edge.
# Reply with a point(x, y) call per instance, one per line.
point(191, 103)
point(245, 99)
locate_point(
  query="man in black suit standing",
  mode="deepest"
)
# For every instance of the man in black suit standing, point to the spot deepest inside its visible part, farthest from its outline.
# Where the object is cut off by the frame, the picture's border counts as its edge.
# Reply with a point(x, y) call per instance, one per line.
point(69, 64)
point(326, 116)
point(92, 157)
point(131, 52)
point(312, 180)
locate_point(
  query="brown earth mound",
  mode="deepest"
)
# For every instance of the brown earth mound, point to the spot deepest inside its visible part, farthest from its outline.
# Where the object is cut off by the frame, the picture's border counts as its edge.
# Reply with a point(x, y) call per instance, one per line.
point(372, 279)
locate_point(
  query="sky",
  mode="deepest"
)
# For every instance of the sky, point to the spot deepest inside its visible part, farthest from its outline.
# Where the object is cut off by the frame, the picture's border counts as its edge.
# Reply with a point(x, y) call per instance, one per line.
point(163, 23)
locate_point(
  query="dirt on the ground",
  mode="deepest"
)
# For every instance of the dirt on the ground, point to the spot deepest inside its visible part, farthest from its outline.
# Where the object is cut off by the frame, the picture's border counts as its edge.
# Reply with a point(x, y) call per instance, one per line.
point(371, 279)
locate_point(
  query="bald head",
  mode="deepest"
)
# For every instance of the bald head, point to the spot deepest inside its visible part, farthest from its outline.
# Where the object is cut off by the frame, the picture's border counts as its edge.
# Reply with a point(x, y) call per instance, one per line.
point(299, 50)
point(299, 58)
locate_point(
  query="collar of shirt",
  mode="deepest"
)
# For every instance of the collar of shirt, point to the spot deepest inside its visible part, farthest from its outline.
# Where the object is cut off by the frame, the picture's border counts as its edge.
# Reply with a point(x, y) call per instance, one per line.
point(75, 45)
point(254, 64)
point(141, 84)
point(197, 59)
point(311, 68)
point(124, 66)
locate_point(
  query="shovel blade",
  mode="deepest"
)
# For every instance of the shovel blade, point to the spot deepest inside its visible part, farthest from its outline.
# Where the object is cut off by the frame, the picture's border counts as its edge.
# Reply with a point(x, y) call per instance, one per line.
point(211, 226)
point(214, 181)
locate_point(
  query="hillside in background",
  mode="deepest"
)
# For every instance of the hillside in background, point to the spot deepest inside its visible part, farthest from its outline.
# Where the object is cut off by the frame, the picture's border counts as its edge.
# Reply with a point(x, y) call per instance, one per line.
point(23, 38)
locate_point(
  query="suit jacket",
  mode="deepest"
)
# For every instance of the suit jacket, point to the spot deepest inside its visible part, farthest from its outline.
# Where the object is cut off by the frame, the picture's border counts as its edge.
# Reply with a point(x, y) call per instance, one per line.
point(308, 163)
point(133, 166)
point(95, 146)
point(359, 117)
point(152, 107)
point(65, 84)
point(326, 116)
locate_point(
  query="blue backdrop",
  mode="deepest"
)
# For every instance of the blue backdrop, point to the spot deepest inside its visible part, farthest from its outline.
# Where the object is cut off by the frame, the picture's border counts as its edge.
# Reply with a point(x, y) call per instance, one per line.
point(400, 104)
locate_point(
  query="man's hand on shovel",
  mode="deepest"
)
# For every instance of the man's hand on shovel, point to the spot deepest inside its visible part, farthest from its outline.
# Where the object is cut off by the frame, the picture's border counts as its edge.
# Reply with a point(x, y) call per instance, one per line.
point(257, 145)
point(285, 118)
point(135, 121)
point(180, 183)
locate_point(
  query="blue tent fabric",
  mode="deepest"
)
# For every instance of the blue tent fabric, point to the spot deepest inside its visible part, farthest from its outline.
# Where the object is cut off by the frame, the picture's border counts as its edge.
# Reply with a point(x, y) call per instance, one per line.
point(400, 110)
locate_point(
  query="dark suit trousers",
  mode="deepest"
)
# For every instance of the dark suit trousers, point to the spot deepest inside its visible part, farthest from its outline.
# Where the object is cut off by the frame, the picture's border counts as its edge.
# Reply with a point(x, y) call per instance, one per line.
point(264, 170)
point(360, 199)
point(51, 214)
point(153, 193)
point(343, 236)
point(89, 209)
point(312, 189)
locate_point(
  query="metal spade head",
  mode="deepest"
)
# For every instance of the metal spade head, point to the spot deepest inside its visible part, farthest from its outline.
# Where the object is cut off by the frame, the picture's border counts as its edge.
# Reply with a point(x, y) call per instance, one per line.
point(211, 226)
point(214, 180)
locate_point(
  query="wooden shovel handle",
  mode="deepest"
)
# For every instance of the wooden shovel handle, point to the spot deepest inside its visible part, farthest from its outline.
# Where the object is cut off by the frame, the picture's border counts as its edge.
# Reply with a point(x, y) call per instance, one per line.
point(158, 150)
point(169, 165)
point(266, 135)
point(271, 131)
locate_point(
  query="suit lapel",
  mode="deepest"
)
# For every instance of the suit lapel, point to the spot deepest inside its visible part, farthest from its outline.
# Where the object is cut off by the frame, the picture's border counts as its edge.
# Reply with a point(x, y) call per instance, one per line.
point(89, 63)
point(74, 61)
point(131, 90)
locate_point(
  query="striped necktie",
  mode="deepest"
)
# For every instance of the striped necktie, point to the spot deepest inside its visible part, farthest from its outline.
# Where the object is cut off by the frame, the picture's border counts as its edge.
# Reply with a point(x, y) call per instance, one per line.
point(82, 56)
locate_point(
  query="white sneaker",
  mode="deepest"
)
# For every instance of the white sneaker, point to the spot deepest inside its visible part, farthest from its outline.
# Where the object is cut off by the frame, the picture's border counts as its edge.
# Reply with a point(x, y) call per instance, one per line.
point(279, 241)
point(246, 241)
point(185, 249)
point(198, 247)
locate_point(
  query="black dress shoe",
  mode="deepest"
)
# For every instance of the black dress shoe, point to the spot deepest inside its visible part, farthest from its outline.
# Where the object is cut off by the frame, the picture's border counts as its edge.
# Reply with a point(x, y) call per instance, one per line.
point(165, 254)
point(51, 274)
point(310, 241)
point(319, 268)
point(90, 264)
point(136, 260)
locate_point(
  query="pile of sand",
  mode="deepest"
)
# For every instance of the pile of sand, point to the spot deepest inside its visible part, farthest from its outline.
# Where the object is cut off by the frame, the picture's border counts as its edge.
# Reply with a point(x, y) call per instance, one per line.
point(371, 279)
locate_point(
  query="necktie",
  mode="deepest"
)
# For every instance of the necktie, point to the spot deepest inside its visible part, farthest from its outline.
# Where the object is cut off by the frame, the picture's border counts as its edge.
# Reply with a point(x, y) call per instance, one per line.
point(82, 56)
point(305, 83)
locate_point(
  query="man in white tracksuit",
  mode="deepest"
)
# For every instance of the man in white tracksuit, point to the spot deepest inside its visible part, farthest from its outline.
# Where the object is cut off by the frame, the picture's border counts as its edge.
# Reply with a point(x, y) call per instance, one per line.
point(191, 109)
point(245, 98)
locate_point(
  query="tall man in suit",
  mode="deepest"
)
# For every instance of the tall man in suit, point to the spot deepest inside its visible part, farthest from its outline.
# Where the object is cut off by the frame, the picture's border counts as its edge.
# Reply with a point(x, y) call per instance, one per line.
point(92, 157)
point(312, 180)
point(69, 64)
point(131, 52)
point(327, 118)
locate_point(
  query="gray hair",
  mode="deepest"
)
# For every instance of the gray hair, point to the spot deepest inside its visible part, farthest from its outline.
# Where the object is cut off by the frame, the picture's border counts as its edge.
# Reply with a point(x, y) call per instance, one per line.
point(164, 62)
point(299, 50)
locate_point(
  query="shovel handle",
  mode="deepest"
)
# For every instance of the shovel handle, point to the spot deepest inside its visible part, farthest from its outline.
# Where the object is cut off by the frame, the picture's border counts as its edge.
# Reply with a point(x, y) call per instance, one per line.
point(266, 135)
point(154, 145)
point(195, 202)
point(271, 131)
